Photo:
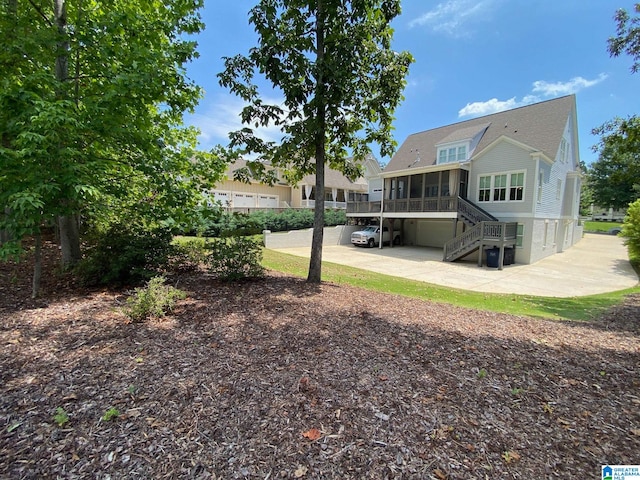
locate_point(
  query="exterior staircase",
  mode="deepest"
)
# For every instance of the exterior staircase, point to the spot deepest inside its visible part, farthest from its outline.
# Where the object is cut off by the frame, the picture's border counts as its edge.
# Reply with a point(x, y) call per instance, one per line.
point(485, 230)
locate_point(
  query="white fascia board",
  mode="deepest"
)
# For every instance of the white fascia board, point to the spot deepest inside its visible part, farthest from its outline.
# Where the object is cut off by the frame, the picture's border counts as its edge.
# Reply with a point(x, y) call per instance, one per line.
point(431, 168)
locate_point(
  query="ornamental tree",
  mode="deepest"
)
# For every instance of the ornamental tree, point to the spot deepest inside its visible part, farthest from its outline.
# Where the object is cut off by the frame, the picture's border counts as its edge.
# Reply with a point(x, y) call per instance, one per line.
point(332, 62)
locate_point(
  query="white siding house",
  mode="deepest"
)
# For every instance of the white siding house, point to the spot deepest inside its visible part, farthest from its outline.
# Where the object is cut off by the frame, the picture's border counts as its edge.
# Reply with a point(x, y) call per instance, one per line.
point(510, 180)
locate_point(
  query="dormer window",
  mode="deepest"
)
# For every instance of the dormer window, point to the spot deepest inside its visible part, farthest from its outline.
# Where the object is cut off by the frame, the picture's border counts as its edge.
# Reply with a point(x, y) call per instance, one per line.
point(452, 153)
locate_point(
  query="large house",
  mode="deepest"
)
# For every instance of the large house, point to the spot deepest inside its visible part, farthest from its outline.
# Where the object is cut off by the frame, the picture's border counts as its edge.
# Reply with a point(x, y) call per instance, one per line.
point(509, 180)
point(243, 197)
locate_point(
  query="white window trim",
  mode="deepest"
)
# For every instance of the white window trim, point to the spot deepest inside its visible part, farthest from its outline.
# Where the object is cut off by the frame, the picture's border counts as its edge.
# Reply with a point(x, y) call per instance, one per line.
point(508, 186)
point(457, 146)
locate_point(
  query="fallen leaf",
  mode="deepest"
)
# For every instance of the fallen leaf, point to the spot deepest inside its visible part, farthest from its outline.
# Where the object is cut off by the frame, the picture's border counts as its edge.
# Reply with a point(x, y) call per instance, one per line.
point(383, 378)
point(312, 434)
point(635, 431)
point(440, 474)
point(511, 456)
point(301, 471)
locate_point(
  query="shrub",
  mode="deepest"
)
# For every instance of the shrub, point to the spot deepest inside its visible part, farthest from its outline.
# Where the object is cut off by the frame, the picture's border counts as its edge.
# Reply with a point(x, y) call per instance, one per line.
point(154, 300)
point(235, 258)
point(126, 254)
point(631, 231)
point(188, 255)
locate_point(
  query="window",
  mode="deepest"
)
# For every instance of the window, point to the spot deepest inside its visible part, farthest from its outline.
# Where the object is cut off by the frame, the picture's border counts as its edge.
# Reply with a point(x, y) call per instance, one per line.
point(564, 151)
point(540, 180)
point(485, 189)
point(499, 188)
point(455, 153)
point(546, 233)
point(519, 235)
point(493, 188)
point(516, 187)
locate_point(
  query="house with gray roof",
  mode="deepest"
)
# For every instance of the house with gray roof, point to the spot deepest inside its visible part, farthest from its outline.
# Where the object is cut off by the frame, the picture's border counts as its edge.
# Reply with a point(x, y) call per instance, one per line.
point(510, 180)
point(239, 196)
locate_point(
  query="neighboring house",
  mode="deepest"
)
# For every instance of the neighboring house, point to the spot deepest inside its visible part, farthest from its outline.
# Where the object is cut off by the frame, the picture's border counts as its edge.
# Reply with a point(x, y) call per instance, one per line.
point(243, 197)
point(510, 179)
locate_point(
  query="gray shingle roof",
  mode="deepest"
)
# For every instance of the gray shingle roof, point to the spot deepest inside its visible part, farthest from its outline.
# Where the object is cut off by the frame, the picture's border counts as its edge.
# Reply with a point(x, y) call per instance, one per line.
point(539, 126)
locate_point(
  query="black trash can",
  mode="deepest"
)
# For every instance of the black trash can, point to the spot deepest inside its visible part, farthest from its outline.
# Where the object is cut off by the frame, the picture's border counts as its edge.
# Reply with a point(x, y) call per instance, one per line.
point(509, 256)
point(493, 257)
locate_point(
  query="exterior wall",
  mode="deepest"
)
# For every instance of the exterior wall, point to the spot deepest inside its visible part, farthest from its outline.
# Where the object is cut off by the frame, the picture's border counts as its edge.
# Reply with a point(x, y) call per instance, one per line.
point(338, 235)
point(433, 233)
point(504, 158)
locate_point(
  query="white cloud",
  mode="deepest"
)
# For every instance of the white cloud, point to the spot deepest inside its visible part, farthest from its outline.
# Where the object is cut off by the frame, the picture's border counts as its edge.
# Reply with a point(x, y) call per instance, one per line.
point(453, 16)
point(565, 88)
point(479, 109)
point(541, 90)
point(222, 116)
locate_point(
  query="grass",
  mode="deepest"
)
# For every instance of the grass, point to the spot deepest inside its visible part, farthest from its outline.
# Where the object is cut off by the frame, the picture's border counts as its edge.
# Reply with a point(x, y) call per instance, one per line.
point(600, 227)
point(573, 308)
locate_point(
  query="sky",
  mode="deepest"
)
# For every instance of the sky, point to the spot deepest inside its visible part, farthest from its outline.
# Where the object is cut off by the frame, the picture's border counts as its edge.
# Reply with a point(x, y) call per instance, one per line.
point(472, 58)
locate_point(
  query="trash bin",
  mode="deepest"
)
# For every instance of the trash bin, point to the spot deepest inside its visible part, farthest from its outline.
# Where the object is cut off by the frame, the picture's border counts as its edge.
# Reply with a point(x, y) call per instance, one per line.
point(509, 256)
point(493, 257)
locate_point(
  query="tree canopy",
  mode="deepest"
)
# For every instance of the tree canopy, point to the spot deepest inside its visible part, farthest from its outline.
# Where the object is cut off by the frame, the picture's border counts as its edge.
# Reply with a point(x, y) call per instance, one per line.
point(91, 101)
point(615, 177)
point(627, 39)
point(332, 62)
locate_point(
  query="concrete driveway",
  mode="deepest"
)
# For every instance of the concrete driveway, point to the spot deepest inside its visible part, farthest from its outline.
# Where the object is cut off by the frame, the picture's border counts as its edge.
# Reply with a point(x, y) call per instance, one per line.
point(596, 264)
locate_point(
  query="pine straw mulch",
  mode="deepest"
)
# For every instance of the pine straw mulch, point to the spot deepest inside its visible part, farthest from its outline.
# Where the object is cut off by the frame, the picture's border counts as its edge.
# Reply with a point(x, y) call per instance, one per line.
point(280, 379)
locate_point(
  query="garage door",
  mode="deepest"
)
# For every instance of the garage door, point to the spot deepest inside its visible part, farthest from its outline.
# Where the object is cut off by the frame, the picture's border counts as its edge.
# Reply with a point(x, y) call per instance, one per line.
point(267, 201)
point(244, 200)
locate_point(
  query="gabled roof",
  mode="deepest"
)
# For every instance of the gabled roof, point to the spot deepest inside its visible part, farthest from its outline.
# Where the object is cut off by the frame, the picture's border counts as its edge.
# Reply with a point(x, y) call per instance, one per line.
point(539, 126)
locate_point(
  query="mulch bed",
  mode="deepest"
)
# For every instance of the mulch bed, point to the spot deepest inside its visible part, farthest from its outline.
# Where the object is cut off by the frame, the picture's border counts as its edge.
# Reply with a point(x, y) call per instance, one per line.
point(280, 379)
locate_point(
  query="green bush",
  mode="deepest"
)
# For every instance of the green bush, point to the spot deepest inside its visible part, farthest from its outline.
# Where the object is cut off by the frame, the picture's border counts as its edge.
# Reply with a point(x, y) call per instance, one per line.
point(234, 224)
point(154, 300)
point(126, 254)
point(235, 258)
point(188, 255)
point(631, 231)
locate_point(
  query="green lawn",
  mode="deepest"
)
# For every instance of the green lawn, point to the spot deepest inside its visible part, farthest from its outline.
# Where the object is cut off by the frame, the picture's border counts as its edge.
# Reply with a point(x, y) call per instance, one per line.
point(597, 227)
point(574, 308)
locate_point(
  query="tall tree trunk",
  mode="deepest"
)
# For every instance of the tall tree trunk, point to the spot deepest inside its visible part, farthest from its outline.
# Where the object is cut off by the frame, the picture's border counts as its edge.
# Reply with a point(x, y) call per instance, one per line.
point(68, 224)
point(69, 232)
point(315, 262)
point(37, 269)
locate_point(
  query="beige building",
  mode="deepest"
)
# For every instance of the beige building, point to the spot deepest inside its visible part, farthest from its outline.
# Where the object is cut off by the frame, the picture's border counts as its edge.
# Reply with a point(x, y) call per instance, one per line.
point(244, 197)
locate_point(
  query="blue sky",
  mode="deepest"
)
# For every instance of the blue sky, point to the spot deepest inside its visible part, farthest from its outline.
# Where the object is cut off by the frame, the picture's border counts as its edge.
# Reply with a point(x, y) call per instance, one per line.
point(472, 58)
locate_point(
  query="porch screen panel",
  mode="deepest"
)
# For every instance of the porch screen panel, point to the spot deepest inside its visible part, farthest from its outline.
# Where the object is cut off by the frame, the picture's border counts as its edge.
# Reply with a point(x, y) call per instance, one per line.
point(431, 184)
point(416, 186)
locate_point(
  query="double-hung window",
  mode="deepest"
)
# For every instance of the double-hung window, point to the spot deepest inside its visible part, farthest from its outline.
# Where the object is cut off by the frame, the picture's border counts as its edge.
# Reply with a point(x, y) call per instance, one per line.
point(516, 186)
point(501, 187)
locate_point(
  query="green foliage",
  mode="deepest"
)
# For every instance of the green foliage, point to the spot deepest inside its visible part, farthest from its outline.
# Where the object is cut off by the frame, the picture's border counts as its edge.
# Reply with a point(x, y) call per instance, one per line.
point(238, 224)
point(126, 253)
point(154, 300)
point(627, 37)
point(614, 177)
point(91, 113)
point(235, 258)
point(188, 255)
point(61, 417)
point(631, 231)
point(341, 82)
point(111, 414)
